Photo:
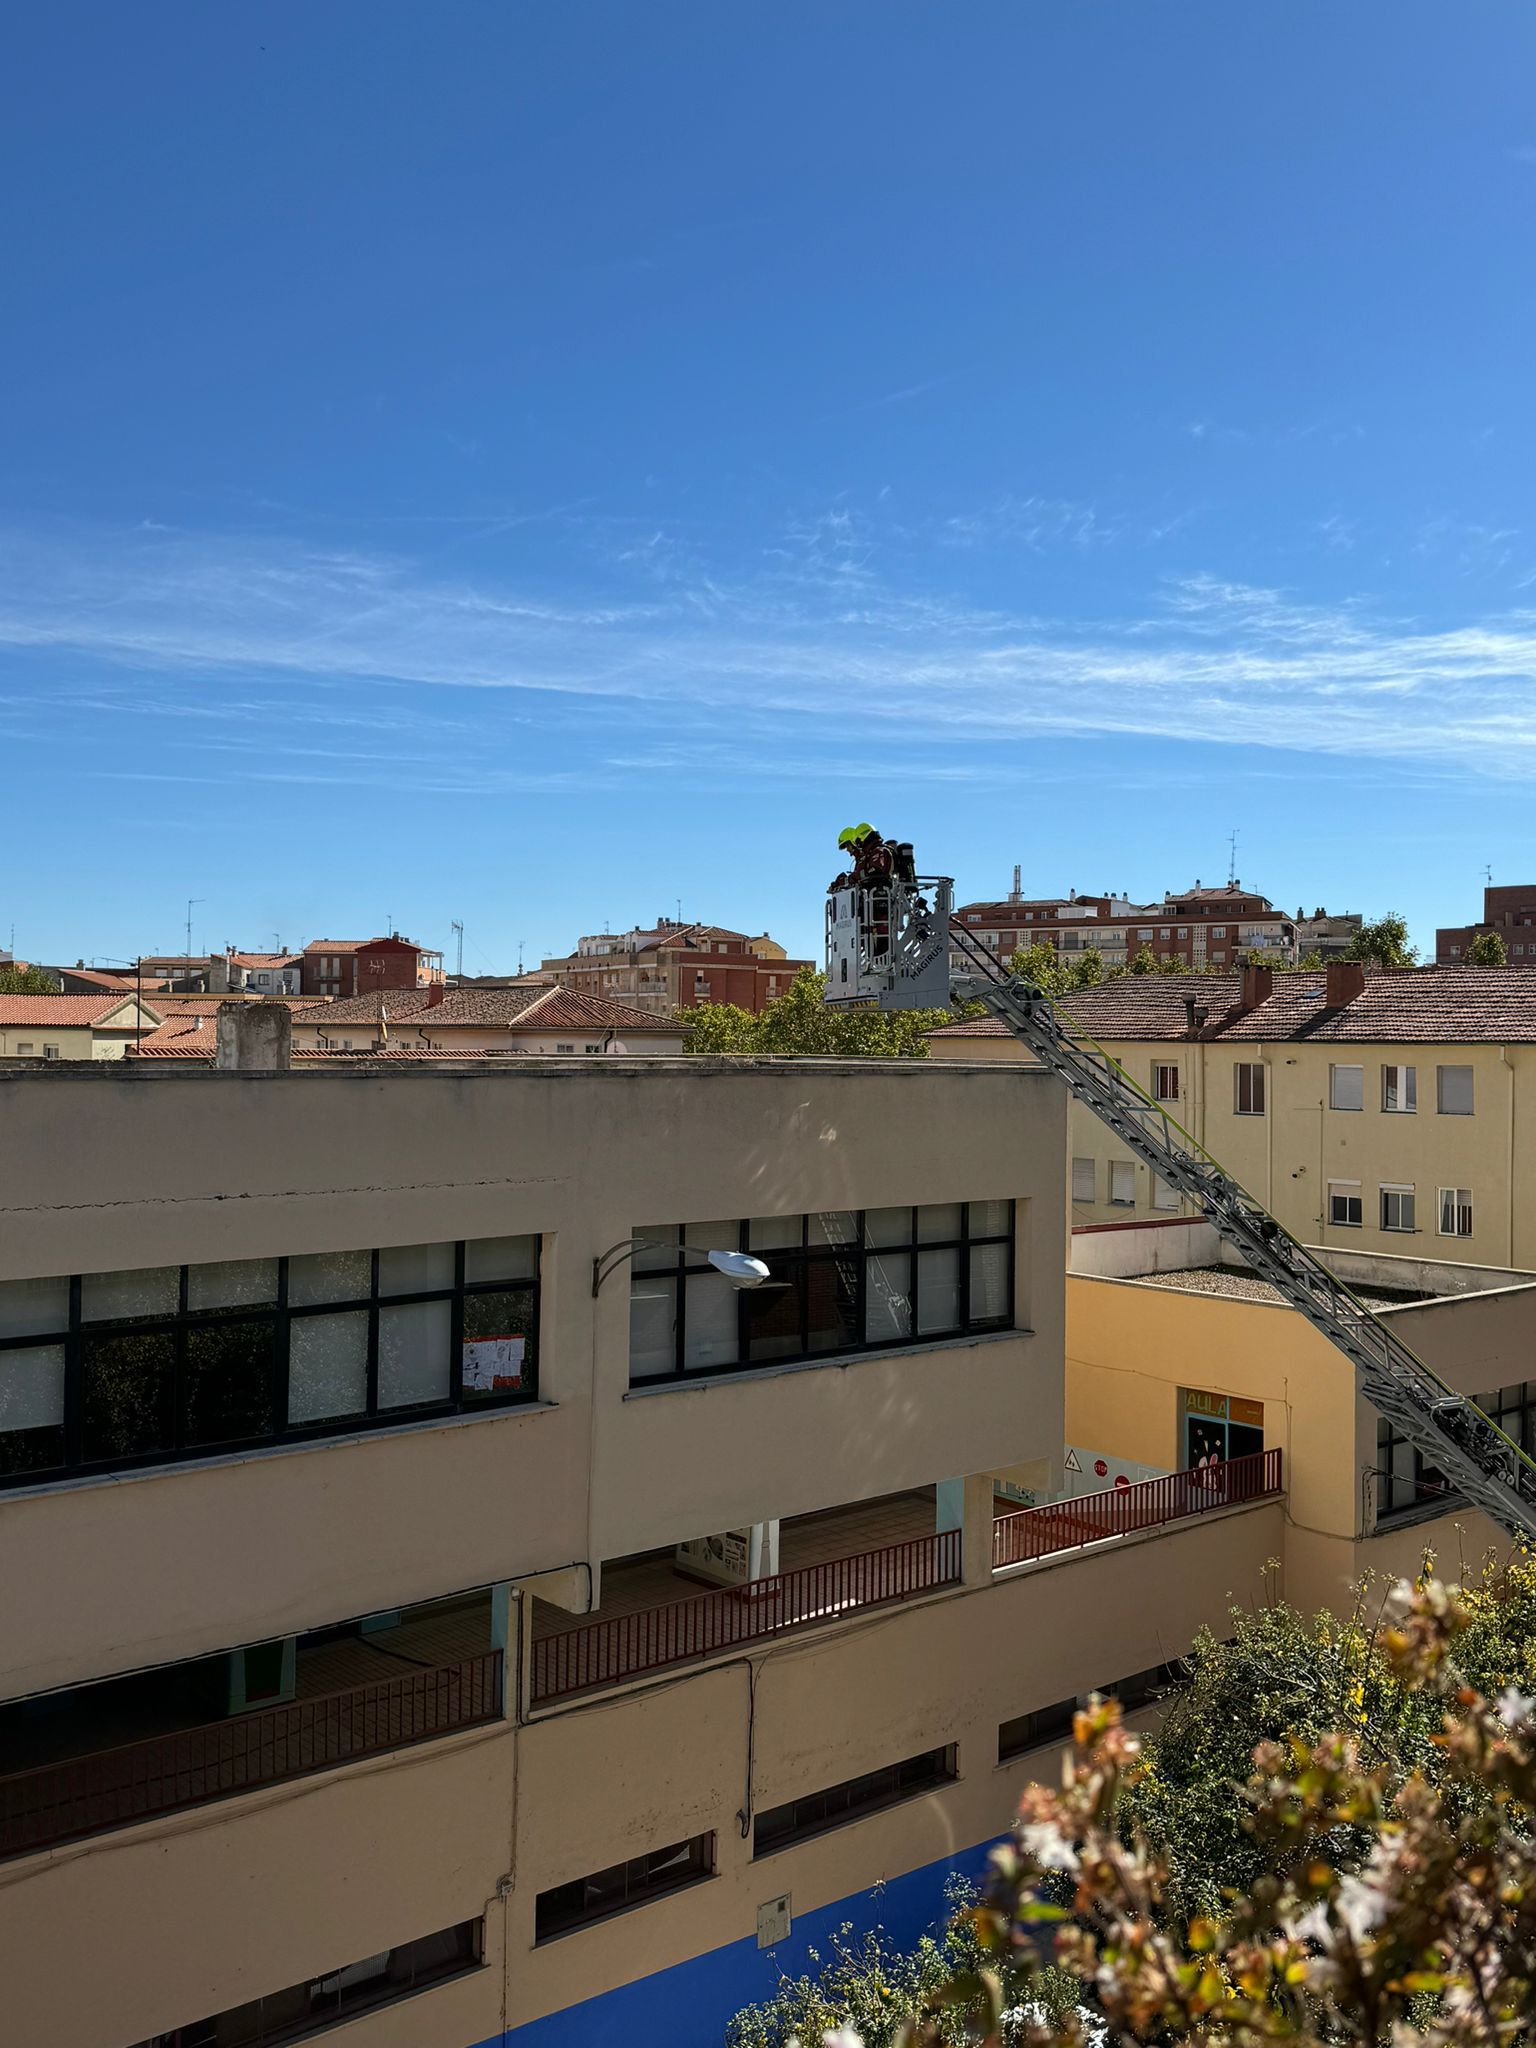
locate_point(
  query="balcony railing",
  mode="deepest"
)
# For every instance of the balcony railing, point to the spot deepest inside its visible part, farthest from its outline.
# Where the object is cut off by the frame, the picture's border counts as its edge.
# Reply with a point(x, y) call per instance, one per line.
point(608, 1652)
point(115, 1787)
point(1090, 1518)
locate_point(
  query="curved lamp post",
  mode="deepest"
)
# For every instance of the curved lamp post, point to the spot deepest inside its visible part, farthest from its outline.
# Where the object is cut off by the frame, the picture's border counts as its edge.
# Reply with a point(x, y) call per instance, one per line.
point(740, 1268)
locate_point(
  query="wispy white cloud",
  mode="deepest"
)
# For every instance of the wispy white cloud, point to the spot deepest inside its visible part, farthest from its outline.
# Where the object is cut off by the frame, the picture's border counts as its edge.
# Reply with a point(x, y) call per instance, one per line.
point(277, 661)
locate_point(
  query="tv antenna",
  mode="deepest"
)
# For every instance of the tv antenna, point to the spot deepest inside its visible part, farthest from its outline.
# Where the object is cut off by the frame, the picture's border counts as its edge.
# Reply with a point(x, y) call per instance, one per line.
point(1488, 874)
point(1232, 857)
point(458, 928)
point(190, 901)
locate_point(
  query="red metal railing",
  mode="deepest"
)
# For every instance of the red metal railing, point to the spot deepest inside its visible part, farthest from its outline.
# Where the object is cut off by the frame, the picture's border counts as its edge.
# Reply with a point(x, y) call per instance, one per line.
point(115, 1787)
point(606, 1652)
point(1068, 1524)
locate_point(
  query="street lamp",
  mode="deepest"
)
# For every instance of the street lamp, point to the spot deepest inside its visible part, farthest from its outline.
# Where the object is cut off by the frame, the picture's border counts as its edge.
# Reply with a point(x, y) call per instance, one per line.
point(740, 1268)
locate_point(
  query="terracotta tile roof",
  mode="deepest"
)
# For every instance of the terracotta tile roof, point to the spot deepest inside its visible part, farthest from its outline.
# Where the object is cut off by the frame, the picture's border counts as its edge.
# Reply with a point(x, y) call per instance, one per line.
point(68, 1010)
point(554, 1008)
point(189, 1031)
point(1403, 1006)
point(561, 1009)
point(334, 945)
point(266, 959)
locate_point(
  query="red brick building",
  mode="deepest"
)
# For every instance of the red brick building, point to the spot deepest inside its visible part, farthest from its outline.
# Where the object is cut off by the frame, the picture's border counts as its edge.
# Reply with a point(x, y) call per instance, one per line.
point(676, 966)
point(359, 967)
point(1199, 927)
point(1509, 910)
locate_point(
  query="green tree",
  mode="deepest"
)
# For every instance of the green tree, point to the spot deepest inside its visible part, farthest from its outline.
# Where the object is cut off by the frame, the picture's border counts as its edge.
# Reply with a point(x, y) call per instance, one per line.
point(27, 981)
point(1145, 962)
point(1313, 962)
point(1383, 941)
point(800, 1025)
point(1488, 950)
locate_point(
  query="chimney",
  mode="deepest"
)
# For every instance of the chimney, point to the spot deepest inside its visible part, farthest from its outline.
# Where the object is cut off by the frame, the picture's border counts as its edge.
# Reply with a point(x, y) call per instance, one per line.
point(1258, 985)
point(1346, 980)
point(253, 1038)
point(435, 994)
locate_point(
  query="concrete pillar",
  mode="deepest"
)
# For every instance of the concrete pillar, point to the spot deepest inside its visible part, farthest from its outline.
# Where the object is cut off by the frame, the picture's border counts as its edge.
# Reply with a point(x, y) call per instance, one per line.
point(966, 1505)
point(253, 1038)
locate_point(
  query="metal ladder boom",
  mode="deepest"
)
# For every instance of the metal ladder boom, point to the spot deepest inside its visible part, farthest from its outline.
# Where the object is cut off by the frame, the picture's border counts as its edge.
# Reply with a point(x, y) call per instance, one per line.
point(1452, 1432)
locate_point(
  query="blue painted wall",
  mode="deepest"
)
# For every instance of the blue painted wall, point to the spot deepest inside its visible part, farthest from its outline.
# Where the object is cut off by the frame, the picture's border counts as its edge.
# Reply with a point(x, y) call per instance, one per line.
point(688, 2005)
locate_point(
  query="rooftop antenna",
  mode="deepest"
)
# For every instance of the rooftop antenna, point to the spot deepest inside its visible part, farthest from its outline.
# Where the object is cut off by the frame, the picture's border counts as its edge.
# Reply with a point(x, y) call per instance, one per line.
point(190, 901)
point(679, 909)
point(1487, 877)
point(458, 928)
point(520, 945)
point(1018, 881)
point(1232, 857)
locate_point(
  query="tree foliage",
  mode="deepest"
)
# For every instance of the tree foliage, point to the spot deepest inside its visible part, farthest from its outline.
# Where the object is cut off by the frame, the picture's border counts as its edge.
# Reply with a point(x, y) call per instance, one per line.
point(1488, 950)
point(1383, 941)
point(801, 1026)
point(27, 981)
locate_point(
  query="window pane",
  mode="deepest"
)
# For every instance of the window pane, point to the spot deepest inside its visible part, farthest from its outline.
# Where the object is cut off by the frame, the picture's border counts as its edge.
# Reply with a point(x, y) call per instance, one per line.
point(775, 1233)
point(151, 1291)
point(709, 1332)
point(327, 1367)
point(414, 1342)
point(773, 1313)
point(990, 1219)
point(1122, 1183)
point(832, 1303)
point(660, 1253)
point(652, 1326)
point(1084, 1179)
point(415, 1268)
point(33, 1308)
point(723, 1235)
point(227, 1385)
point(990, 1264)
point(887, 1297)
point(317, 1277)
point(128, 1377)
point(1454, 1086)
point(232, 1283)
point(887, 1226)
point(1347, 1089)
point(31, 1408)
point(938, 1222)
point(833, 1226)
point(938, 1291)
point(501, 1258)
point(500, 1344)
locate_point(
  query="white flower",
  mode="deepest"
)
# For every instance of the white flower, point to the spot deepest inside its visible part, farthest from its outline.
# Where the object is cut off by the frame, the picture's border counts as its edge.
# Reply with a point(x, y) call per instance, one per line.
point(1513, 1706)
point(1044, 1841)
point(1361, 1907)
point(842, 2037)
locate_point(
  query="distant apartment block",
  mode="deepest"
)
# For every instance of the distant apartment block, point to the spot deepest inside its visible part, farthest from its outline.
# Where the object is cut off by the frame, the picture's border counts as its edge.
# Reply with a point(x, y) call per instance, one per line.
point(1509, 910)
point(1328, 937)
point(264, 974)
point(355, 967)
point(673, 966)
point(1201, 927)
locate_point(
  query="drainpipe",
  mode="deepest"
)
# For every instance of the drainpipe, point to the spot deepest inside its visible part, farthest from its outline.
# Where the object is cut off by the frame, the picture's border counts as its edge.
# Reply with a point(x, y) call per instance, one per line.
point(1509, 1154)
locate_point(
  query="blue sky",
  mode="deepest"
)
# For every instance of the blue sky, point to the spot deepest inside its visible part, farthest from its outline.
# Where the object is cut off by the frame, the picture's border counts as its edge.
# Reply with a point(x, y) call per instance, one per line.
point(538, 463)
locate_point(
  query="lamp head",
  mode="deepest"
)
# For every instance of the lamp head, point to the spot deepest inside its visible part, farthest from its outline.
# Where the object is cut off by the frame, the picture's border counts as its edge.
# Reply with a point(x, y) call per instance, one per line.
point(740, 1268)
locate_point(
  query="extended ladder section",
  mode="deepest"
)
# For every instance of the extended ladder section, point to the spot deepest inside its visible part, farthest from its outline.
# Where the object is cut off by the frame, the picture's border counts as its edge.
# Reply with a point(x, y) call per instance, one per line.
point(1473, 1453)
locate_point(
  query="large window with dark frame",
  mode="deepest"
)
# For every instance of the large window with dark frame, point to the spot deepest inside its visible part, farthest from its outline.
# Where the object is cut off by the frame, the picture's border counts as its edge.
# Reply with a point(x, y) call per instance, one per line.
point(777, 1826)
point(585, 1900)
point(840, 1281)
point(102, 1371)
point(308, 2008)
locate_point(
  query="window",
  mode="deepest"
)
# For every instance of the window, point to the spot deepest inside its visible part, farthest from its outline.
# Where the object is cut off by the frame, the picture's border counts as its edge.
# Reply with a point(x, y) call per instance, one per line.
point(1122, 1183)
point(1163, 1196)
point(1453, 1091)
point(24, 1049)
point(1145, 933)
point(1405, 1479)
point(1346, 1087)
point(1165, 1082)
point(1218, 931)
point(1397, 1208)
point(1248, 1088)
point(564, 1048)
point(324, 2001)
point(1344, 1204)
point(1400, 1090)
point(622, 1885)
point(115, 1369)
point(847, 1280)
point(1455, 1212)
point(1084, 1180)
point(1031, 1731)
point(50, 1052)
point(1143, 1688)
point(778, 1826)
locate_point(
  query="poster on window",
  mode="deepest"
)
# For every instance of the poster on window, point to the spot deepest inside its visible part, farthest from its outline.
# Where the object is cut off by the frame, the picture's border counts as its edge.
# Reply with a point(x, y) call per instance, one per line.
point(493, 1365)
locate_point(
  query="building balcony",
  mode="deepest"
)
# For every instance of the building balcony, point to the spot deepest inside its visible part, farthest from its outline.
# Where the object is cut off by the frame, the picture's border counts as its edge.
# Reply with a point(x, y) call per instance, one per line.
point(354, 1695)
point(1027, 1535)
point(833, 1565)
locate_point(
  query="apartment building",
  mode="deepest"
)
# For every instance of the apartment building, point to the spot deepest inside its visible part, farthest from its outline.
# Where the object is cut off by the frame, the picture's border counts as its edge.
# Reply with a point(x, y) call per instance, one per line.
point(354, 967)
point(441, 1604)
point(1200, 927)
point(1327, 935)
point(260, 974)
point(1176, 1352)
point(1508, 909)
point(1373, 1111)
point(674, 966)
point(81, 1027)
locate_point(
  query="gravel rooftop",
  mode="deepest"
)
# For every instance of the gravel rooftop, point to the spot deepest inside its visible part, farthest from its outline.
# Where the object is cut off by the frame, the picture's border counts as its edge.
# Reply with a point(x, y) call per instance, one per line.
point(1239, 1286)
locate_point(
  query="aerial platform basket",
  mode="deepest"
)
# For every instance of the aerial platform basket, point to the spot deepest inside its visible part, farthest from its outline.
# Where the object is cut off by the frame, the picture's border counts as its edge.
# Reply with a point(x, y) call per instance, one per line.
point(889, 944)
